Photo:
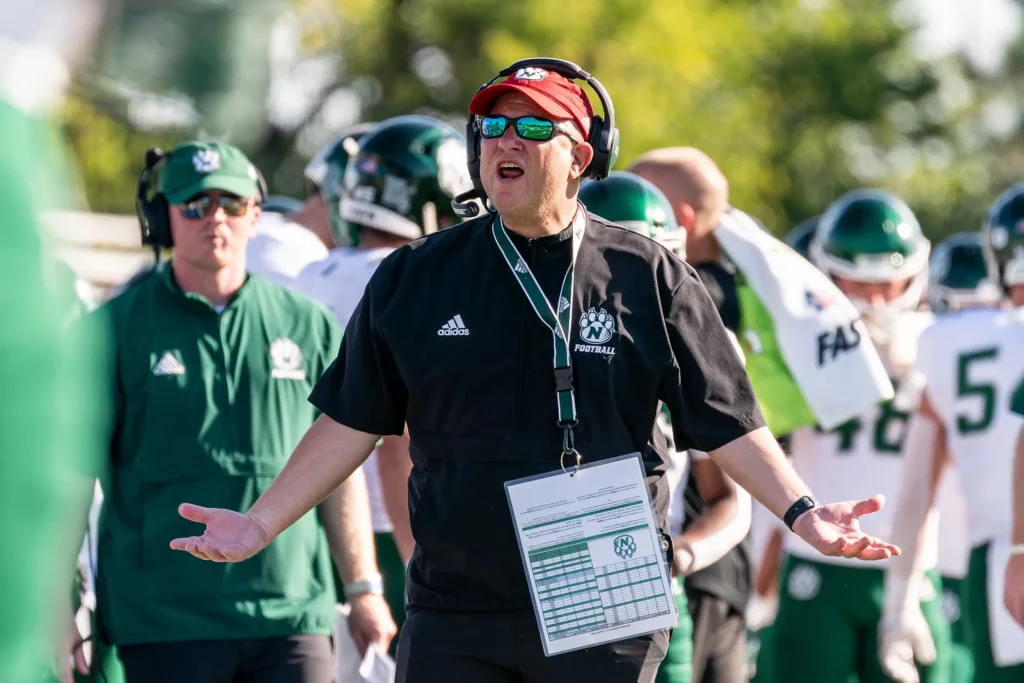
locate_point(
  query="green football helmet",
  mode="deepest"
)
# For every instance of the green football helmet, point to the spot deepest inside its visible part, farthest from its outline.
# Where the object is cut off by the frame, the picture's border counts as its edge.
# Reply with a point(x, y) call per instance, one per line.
point(872, 236)
point(800, 237)
point(404, 177)
point(636, 204)
point(1003, 236)
point(958, 274)
point(325, 173)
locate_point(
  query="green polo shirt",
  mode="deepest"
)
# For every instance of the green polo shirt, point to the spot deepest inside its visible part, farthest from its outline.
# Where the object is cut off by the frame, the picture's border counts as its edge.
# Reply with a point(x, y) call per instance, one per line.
point(209, 406)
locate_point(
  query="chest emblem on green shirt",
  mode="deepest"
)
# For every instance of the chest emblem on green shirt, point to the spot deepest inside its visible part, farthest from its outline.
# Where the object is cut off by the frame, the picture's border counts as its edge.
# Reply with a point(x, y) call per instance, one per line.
point(168, 365)
point(286, 357)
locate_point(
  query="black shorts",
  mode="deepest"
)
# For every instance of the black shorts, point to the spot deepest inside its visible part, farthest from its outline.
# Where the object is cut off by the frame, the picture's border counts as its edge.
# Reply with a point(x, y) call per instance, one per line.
point(292, 659)
point(505, 647)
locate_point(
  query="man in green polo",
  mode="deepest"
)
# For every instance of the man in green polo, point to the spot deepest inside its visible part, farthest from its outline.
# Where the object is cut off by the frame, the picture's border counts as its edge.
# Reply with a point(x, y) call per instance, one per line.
point(210, 371)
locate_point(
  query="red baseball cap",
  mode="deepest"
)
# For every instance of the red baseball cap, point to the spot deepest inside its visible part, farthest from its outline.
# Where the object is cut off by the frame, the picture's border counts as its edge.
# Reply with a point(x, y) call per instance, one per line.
point(557, 95)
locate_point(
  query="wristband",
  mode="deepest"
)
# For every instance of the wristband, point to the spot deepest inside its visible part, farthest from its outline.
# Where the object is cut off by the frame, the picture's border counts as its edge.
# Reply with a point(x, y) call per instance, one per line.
point(798, 508)
point(1017, 549)
point(373, 584)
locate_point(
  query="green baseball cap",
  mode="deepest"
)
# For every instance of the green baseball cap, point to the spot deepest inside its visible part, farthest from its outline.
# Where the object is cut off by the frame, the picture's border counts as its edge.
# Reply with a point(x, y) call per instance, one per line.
point(193, 167)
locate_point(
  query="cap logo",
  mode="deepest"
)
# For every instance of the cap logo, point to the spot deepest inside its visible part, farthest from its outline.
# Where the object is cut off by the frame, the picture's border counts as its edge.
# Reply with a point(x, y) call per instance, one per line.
point(530, 74)
point(206, 161)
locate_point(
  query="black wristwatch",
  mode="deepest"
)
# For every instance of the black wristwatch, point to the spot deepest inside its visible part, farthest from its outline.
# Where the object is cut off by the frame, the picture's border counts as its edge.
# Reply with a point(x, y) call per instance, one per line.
point(798, 508)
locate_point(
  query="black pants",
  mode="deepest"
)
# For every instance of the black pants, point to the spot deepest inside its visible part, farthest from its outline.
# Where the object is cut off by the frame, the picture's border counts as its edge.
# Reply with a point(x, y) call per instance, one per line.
point(719, 640)
point(294, 659)
point(504, 647)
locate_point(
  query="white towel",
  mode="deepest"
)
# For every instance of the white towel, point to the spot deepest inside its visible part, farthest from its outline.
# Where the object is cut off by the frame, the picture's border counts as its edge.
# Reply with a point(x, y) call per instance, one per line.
point(815, 325)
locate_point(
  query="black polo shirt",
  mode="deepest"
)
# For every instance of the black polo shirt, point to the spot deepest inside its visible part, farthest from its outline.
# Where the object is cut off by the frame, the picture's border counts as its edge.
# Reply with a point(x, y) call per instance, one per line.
point(444, 339)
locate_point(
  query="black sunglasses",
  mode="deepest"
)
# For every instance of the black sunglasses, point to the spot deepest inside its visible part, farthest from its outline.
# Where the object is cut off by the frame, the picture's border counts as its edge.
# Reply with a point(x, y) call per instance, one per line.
point(527, 127)
point(202, 206)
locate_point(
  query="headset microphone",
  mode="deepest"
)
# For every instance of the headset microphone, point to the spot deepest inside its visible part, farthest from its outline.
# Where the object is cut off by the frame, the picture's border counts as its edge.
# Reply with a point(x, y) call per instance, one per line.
point(464, 206)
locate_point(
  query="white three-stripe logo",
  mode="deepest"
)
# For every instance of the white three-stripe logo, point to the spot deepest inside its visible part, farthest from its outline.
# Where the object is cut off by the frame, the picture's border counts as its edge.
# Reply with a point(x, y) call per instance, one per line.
point(168, 365)
point(454, 328)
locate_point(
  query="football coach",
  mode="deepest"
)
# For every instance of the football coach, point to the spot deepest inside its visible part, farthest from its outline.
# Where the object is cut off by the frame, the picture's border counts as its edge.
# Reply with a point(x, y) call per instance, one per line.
point(480, 405)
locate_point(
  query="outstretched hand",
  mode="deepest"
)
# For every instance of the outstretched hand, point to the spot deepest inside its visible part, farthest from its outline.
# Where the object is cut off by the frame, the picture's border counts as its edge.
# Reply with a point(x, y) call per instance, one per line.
point(834, 530)
point(229, 536)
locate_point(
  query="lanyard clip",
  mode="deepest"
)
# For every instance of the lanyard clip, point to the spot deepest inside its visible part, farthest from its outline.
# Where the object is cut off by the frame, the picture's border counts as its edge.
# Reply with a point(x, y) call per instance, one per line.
point(569, 448)
point(568, 439)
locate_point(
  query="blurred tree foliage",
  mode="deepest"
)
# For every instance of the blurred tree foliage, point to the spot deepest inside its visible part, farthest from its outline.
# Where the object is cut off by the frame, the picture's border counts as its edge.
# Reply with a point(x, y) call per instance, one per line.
point(797, 100)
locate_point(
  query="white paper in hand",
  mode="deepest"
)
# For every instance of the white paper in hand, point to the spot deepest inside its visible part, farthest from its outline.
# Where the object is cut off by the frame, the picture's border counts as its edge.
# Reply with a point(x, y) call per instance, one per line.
point(377, 666)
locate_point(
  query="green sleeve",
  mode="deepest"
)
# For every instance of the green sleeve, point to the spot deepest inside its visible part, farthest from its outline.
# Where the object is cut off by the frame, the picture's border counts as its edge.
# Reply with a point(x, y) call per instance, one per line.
point(47, 429)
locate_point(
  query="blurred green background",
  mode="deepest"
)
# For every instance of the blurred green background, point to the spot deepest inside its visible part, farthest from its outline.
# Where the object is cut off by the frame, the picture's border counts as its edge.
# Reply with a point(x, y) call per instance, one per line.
point(797, 100)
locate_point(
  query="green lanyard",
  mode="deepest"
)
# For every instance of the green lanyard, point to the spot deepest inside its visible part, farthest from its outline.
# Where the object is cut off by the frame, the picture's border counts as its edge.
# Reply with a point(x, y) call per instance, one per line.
point(557, 322)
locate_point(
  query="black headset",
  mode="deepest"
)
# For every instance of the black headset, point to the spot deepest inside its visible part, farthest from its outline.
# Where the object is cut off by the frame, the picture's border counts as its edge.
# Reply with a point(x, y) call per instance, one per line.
point(154, 212)
point(604, 136)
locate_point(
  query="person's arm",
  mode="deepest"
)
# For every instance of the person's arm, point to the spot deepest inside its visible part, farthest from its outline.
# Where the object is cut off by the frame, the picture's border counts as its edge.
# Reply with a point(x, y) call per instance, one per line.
point(757, 463)
point(1013, 591)
point(326, 456)
point(903, 633)
point(361, 396)
point(394, 465)
point(345, 515)
point(722, 525)
point(714, 409)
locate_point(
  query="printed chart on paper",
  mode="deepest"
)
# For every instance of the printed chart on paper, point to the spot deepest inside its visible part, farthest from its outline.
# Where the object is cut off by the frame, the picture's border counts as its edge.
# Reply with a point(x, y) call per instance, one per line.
point(592, 554)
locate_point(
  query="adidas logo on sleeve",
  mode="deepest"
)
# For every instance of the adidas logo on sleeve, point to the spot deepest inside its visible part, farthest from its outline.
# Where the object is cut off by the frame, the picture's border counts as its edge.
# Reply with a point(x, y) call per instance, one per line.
point(454, 328)
point(168, 365)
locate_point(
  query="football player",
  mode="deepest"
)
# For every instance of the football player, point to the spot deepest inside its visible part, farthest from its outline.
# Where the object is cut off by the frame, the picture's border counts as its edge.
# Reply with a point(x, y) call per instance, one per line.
point(383, 189)
point(968, 367)
point(628, 200)
point(872, 246)
point(636, 204)
point(957, 280)
point(289, 237)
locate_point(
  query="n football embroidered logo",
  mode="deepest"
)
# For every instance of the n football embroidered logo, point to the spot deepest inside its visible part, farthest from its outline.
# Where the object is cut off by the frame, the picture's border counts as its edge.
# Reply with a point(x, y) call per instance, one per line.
point(625, 546)
point(596, 327)
point(286, 359)
point(206, 161)
point(530, 73)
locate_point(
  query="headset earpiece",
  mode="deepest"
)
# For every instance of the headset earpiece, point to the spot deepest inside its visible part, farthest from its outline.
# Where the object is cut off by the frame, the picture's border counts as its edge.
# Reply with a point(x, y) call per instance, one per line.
point(153, 213)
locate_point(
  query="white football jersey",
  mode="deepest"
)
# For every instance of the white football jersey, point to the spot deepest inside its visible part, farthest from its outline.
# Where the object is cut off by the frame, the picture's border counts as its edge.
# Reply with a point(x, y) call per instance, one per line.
point(281, 248)
point(969, 363)
point(338, 282)
point(862, 457)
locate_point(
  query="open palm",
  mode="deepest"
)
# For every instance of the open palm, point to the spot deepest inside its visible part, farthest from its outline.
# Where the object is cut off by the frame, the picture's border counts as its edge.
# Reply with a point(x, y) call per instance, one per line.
point(229, 536)
point(834, 529)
